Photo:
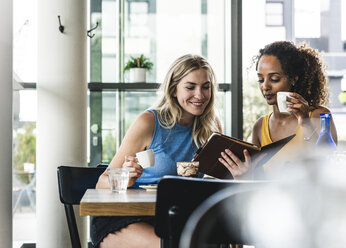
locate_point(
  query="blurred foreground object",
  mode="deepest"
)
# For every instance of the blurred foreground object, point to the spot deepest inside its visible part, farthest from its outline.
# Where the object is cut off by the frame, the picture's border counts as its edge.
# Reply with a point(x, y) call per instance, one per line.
point(303, 208)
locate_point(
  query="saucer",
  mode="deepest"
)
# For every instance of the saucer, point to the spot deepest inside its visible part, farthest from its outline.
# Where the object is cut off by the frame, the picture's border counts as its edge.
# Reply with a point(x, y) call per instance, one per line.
point(149, 186)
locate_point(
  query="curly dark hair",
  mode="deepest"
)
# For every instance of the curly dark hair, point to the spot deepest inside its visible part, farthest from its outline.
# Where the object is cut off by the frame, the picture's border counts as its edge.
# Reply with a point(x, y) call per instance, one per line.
point(304, 62)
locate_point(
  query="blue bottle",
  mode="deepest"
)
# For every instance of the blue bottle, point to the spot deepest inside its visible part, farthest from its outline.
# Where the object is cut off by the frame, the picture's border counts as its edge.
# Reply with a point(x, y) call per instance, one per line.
point(325, 139)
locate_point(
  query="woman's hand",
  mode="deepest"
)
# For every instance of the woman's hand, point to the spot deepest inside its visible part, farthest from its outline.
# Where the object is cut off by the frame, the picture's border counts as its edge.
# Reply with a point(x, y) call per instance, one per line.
point(136, 169)
point(299, 107)
point(238, 169)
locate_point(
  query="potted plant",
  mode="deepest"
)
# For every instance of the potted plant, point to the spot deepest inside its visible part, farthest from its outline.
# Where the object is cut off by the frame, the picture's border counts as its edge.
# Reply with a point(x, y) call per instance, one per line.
point(137, 67)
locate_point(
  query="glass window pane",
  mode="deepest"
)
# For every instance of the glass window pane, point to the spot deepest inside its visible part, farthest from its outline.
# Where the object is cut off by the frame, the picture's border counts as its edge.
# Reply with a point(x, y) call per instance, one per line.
point(109, 21)
point(136, 103)
point(25, 40)
point(307, 18)
point(108, 110)
point(318, 23)
point(161, 30)
point(109, 125)
point(27, 105)
point(108, 68)
point(274, 14)
point(24, 164)
point(164, 30)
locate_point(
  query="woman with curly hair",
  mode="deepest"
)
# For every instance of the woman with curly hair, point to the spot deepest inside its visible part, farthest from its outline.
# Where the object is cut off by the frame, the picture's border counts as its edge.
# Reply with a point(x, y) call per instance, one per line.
point(181, 121)
point(282, 66)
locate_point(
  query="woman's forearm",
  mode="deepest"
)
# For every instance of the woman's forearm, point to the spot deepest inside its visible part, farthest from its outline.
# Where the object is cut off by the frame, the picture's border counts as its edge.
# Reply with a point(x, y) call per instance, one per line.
point(103, 182)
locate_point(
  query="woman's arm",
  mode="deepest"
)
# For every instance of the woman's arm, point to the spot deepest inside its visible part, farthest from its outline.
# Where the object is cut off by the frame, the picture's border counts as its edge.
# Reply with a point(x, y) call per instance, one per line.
point(137, 138)
point(311, 126)
point(257, 132)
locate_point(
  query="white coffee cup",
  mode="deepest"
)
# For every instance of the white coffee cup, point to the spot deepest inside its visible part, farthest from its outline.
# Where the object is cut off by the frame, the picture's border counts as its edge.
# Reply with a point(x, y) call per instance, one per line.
point(146, 158)
point(281, 98)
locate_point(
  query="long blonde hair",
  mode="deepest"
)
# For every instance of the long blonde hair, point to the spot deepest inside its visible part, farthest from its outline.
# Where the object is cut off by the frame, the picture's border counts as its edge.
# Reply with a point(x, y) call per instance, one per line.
point(168, 108)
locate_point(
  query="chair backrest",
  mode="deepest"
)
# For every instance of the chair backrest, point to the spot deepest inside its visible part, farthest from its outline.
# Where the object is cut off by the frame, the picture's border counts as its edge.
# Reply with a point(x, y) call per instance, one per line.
point(213, 223)
point(73, 182)
point(251, 216)
point(177, 198)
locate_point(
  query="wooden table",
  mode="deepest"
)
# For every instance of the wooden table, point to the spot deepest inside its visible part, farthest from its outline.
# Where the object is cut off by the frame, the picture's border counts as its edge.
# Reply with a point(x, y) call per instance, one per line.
point(102, 202)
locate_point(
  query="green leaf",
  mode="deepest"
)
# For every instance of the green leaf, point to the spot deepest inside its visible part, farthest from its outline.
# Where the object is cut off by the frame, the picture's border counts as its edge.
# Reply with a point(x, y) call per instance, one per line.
point(143, 61)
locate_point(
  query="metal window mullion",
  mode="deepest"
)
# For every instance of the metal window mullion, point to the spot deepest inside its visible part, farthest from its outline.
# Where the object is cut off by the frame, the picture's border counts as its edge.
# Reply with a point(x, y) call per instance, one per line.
point(95, 98)
point(120, 75)
point(121, 39)
point(236, 69)
point(227, 73)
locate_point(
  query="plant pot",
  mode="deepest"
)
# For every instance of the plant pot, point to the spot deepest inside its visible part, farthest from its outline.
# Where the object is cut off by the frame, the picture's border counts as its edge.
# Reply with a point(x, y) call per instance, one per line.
point(138, 75)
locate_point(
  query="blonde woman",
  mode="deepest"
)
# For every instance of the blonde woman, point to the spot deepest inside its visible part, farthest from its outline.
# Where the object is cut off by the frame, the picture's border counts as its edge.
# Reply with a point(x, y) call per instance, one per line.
point(182, 120)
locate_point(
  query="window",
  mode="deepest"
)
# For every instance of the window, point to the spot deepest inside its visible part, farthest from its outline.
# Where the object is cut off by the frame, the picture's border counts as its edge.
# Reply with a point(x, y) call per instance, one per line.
point(161, 30)
point(24, 121)
point(274, 14)
point(318, 23)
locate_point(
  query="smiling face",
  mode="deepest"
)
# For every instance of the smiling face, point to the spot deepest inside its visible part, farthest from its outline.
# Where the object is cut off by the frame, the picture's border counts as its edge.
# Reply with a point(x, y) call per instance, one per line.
point(193, 94)
point(271, 78)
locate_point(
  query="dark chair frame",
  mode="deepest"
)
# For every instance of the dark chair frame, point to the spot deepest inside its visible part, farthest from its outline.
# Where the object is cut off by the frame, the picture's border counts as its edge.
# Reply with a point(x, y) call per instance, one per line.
point(224, 218)
point(177, 198)
point(216, 221)
point(73, 182)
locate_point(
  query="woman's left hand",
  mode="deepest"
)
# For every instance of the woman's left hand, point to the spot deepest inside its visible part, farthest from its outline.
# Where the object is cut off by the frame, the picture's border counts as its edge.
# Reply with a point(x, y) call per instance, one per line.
point(238, 169)
point(136, 169)
point(299, 107)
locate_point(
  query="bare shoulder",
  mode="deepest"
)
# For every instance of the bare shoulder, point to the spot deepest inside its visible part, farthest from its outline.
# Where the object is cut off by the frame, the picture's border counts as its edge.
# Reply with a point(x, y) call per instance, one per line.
point(139, 135)
point(146, 118)
point(256, 131)
point(258, 124)
point(137, 138)
point(319, 110)
point(145, 123)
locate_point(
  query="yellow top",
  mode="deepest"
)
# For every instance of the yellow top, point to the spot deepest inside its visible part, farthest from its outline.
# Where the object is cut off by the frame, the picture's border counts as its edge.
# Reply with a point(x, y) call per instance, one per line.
point(294, 147)
point(265, 135)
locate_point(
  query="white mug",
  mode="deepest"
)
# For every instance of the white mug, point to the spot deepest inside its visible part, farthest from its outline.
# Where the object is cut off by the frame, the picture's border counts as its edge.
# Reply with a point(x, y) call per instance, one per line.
point(146, 158)
point(281, 98)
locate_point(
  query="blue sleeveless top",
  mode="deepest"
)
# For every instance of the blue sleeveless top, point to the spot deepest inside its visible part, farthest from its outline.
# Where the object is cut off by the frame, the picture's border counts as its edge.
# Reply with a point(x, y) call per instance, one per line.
point(170, 146)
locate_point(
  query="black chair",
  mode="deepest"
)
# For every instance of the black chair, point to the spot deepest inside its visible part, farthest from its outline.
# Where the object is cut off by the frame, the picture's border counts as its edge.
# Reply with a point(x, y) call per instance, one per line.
point(239, 216)
point(28, 245)
point(177, 198)
point(73, 182)
point(217, 221)
point(102, 165)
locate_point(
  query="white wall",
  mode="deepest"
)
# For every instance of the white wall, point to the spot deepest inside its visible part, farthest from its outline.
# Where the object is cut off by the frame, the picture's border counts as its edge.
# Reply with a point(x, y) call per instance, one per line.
point(62, 111)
